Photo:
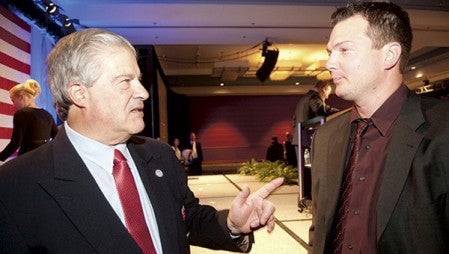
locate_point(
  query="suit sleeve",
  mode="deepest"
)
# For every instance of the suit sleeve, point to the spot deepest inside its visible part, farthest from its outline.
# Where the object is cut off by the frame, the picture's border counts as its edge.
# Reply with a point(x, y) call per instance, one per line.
point(207, 227)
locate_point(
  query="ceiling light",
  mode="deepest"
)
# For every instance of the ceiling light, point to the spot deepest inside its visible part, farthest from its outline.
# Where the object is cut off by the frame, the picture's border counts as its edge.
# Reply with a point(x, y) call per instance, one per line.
point(51, 8)
point(65, 21)
point(221, 84)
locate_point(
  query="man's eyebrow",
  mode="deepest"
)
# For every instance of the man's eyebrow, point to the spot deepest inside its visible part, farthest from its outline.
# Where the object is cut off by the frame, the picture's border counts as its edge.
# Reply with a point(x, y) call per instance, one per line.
point(120, 76)
point(336, 45)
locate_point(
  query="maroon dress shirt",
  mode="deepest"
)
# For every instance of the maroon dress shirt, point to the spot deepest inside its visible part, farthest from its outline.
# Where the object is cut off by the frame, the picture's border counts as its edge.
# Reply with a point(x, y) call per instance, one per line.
point(360, 230)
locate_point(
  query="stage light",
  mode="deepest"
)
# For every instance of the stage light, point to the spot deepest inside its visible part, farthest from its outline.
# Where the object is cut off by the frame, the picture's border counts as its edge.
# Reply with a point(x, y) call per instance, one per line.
point(67, 22)
point(50, 7)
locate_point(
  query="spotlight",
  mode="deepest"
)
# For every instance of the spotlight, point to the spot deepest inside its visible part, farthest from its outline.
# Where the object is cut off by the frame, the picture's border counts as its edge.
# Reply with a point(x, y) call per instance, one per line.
point(65, 21)
point(50, 7)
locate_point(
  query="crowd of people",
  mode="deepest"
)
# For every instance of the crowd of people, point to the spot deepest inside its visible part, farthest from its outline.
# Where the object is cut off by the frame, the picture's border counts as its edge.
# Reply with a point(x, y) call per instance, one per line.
point(380, 171)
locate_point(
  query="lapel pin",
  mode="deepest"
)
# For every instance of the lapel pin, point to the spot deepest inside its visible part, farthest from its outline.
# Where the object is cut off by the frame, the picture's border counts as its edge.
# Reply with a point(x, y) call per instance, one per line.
point(159, 173)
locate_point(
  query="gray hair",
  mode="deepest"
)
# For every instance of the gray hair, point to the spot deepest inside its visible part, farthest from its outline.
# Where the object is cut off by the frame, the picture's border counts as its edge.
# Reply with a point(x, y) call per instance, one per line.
point(77, 59)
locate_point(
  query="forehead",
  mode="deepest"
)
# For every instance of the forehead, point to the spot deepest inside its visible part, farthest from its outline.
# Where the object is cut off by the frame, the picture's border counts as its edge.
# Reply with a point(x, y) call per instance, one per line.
point(350, 29)
point(118, 58)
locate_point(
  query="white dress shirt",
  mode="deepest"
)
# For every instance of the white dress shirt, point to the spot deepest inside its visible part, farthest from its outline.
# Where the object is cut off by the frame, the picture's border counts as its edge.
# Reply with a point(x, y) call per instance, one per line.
point(194, 152)
point(98, 158)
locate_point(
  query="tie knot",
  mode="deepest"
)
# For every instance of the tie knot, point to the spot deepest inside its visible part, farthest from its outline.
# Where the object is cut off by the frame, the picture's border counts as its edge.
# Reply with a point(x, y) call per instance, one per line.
point(362, 125)
point(118, 157)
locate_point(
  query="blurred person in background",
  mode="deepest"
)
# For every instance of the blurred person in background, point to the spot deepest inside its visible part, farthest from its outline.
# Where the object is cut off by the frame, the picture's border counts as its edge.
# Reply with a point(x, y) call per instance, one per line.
point(32, 125)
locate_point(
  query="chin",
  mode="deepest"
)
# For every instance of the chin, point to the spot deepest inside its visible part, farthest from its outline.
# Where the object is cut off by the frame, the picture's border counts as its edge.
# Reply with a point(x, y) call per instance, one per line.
point(138, 128)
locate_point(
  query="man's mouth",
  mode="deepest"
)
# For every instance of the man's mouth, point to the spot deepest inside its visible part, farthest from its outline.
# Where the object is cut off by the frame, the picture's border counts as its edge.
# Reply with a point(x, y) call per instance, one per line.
point(137, 110)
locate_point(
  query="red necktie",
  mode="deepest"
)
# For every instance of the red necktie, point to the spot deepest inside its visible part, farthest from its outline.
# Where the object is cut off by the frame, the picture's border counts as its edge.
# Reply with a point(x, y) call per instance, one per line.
point(346, 188)
point(132, 208)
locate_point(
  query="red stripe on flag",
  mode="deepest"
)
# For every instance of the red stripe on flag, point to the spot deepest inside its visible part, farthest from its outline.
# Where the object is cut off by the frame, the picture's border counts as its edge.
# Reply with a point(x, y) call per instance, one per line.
point(7, 109)
point(5, 133)
point(11, 16)
point(14, 40)
point(7, 84)
point(14, 63)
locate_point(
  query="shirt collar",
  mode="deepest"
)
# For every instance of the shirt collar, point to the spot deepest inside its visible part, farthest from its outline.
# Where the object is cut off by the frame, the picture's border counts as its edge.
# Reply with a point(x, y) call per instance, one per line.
point(388, 112)
point(92, 150)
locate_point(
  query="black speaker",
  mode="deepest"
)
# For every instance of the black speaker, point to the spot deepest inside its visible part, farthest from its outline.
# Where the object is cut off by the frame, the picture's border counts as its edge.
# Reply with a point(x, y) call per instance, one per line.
point(271, 57)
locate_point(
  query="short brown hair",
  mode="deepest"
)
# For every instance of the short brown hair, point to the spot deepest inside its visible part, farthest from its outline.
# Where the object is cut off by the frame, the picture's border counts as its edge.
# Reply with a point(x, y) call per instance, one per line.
point(387, 22)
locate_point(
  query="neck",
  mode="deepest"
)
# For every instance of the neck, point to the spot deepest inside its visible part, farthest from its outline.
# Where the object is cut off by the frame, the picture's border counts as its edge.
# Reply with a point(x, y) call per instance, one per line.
point(369, 104)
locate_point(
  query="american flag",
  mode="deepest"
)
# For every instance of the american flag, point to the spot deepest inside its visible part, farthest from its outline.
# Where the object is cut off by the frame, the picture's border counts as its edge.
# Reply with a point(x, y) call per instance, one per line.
point(15, 59)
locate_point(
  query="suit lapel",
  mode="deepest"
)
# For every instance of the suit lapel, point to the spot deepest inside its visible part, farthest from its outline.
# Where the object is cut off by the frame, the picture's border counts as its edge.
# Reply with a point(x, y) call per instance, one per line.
point(402, 148)
point(338, 142)
point(155, 178)
point(77, 194)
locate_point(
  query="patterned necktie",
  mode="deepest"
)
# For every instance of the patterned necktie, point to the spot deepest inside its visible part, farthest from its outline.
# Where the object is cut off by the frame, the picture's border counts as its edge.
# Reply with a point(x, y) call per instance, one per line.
point(346, 187)
point(132, 208)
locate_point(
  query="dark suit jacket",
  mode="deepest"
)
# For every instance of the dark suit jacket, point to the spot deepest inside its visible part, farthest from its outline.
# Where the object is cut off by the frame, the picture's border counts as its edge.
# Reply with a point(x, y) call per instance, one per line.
point(49, 203)
point(413, 207)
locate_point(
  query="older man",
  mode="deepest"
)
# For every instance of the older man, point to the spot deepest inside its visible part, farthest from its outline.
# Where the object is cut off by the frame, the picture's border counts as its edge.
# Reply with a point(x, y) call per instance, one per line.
point(98, 188)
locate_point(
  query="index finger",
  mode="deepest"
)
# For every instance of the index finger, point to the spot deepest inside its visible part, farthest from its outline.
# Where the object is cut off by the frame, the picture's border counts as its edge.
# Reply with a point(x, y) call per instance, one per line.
point(268, 188)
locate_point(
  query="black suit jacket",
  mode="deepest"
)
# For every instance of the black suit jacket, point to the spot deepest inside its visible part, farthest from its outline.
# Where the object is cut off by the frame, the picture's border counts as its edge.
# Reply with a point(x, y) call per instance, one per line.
point(413, 206)
point(49, 203)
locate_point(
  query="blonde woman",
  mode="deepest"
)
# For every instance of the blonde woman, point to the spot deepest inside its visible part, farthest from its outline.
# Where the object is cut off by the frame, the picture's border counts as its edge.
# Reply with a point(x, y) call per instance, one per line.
point(33, 126)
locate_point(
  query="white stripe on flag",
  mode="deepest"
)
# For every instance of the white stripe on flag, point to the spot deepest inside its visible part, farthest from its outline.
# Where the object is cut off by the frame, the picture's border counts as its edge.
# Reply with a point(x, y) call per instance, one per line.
point(14, 52)
point(6, 121)
point(13, 74)
point(4, 96)
point(14, 29)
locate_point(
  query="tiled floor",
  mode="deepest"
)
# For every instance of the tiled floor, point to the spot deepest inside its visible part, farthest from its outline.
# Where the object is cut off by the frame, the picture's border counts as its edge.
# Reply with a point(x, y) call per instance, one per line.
point(291, 232)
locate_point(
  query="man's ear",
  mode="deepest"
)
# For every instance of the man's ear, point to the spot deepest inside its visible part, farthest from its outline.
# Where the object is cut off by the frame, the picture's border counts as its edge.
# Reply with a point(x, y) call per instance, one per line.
point(78, 94)
point(392, 56)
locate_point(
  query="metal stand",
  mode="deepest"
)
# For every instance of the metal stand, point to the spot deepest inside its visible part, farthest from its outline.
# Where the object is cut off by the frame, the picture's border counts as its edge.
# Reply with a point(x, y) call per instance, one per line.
point(305, 133)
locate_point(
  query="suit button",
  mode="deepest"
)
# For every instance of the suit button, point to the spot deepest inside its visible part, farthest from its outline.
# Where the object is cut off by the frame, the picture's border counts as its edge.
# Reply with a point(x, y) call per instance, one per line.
point(362, 178)
point(350, 246)
point(356, 212)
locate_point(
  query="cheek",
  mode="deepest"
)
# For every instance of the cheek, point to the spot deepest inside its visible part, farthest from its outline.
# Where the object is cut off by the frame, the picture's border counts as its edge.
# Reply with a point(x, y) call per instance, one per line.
point(17, 104)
